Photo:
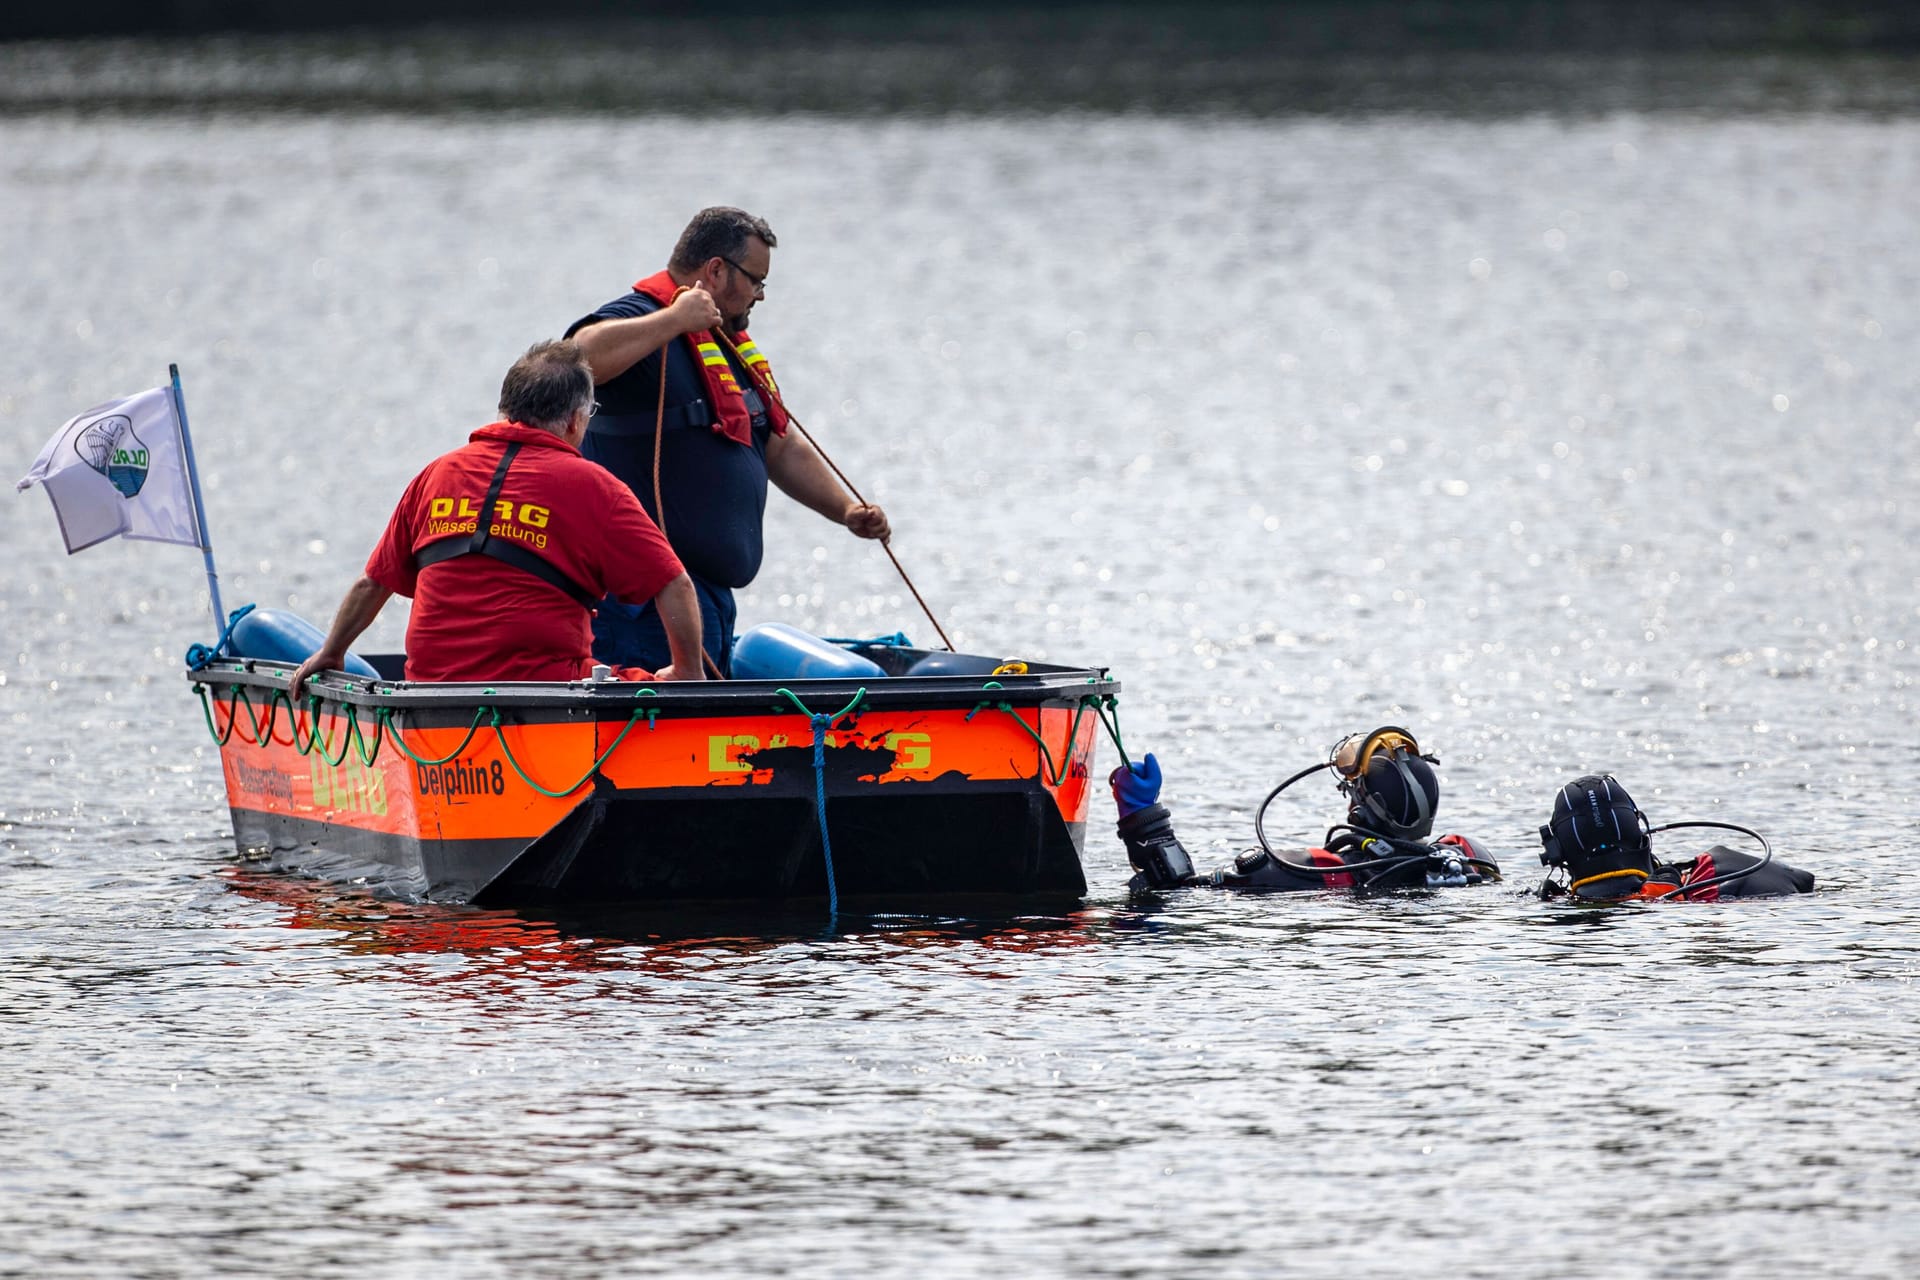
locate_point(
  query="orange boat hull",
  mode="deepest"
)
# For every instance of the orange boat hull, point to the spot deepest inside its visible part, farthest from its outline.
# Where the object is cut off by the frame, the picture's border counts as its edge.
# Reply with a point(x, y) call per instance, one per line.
point(530, 794)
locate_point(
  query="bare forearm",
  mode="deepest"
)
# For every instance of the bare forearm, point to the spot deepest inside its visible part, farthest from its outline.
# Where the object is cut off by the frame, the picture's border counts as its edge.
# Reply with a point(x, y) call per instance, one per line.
point(680, 614)
point(803, 475)
point(358, 608)
point(615, 346)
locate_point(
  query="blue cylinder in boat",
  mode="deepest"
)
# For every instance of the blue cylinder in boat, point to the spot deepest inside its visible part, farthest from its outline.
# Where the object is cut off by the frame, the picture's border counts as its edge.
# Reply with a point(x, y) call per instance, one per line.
point(955, 664)
point(280, 636)
point(776, 651)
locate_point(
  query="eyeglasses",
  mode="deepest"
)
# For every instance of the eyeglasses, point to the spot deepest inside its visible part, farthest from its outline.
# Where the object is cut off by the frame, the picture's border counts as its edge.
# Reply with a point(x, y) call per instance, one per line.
point(593, 408)
point(759, 282)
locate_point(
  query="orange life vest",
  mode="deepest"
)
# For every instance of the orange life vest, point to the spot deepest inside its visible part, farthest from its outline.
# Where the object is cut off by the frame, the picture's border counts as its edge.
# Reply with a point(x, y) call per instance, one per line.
point(731, 417)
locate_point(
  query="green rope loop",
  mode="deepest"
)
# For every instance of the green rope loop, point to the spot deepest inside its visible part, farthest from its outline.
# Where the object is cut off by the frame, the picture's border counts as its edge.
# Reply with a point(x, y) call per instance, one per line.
point(809, 713)
point(206, 708)
point(1110, 706)
point(360, 749)
point(260, 736)
point(978, 707)
point(1054, 775)
point(393, 735)
point(262, 731)
point(1051, 775)
point(592, 769)
point(352, 739)
point(313, 741)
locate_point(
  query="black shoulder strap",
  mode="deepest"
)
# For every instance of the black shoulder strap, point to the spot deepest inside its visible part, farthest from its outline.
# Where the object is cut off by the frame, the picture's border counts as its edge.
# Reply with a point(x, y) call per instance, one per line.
point(481, 542)
point(483, 523)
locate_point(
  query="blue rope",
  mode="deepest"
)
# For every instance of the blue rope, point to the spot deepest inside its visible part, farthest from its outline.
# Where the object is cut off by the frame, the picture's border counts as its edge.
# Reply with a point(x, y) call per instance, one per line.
point(898, 640)
point(820, 724)
point(199, 655)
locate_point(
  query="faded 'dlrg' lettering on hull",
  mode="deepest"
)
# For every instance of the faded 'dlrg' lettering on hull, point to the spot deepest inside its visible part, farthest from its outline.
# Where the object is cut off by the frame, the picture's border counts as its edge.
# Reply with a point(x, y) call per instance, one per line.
point(351, 786)
point(912, 752)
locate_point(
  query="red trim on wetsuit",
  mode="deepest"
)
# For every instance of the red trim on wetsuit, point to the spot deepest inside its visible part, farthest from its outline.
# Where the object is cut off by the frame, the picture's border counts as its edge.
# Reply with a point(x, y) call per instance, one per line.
point(1327, 858)
point(1698, 871)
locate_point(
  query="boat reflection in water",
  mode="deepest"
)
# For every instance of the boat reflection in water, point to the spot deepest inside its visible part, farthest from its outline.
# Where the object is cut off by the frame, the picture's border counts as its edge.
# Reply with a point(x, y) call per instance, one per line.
point(516, 947)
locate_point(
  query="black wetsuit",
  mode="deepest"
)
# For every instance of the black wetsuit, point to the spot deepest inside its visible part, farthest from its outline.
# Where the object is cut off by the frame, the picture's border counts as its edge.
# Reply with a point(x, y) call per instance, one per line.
point(1669, 880)
point(1353, 859)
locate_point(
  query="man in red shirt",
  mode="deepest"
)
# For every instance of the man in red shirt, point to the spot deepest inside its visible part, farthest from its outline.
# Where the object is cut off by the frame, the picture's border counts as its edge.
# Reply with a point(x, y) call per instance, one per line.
point(510, 596)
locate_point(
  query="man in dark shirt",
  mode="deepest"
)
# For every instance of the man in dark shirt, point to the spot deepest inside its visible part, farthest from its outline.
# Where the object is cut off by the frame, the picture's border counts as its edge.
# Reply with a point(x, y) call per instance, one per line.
point(689, 410)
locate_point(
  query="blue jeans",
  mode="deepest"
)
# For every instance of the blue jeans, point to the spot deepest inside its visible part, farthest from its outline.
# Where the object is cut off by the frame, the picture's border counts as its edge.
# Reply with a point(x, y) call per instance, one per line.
point(626, 635)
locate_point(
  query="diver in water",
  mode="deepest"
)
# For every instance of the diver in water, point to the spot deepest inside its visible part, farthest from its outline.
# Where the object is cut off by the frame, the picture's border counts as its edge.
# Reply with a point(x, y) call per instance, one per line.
point(1384, 843)
point(1602, 847)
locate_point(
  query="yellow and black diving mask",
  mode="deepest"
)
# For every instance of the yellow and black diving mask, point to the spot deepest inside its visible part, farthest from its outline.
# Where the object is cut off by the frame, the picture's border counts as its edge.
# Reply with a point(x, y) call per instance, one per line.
point(1353, 753)
point(1388, 781)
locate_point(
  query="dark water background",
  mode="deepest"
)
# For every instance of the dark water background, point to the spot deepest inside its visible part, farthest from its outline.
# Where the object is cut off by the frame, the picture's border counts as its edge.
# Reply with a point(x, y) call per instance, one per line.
point(1577, 430)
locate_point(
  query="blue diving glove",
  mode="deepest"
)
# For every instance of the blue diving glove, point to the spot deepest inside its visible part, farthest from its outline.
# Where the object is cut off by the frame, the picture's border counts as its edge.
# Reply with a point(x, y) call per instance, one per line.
point(1136, 788)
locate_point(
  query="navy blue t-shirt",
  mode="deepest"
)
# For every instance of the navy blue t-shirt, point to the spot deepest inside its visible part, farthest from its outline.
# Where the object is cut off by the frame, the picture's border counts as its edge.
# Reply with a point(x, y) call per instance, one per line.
point(715, 491)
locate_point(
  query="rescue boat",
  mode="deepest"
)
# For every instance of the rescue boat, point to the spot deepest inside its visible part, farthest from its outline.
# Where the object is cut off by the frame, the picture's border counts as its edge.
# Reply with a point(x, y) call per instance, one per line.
point(901, 787)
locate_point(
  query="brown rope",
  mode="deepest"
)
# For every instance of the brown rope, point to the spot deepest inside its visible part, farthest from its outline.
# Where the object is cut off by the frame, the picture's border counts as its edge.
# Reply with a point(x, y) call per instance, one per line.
point(660, 430)
point(767, 389)
point(660, 503)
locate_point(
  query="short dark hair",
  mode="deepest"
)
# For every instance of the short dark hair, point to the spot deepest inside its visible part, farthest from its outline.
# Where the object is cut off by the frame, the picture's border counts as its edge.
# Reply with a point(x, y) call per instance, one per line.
point(719, 232)
point(547, 386)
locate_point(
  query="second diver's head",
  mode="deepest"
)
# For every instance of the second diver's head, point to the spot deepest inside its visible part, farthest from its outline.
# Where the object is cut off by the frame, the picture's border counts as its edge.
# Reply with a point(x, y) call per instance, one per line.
point(1390, 786)
point(1598, 835)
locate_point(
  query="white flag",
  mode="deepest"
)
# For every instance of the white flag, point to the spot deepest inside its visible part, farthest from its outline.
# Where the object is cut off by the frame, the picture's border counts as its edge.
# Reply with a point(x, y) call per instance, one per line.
point(118, 470)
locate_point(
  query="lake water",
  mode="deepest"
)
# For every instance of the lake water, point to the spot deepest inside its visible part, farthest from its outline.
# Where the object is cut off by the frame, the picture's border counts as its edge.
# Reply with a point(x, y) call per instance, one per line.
point(1575, 440)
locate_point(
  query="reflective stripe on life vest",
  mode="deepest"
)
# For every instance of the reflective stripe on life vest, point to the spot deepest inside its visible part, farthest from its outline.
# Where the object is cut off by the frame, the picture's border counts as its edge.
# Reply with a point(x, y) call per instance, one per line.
point(751, 354)
point(714, 358)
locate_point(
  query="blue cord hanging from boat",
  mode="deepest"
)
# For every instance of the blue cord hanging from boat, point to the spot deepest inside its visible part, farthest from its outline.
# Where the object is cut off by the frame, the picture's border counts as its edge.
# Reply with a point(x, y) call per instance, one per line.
point(821, 723)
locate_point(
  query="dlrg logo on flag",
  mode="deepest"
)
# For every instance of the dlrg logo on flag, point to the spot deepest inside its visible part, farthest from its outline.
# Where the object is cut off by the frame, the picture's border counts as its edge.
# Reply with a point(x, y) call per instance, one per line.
point(119, 470)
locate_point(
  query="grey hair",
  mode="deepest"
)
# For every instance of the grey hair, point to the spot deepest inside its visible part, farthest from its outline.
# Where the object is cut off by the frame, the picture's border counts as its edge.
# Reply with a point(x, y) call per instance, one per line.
point(547, 386)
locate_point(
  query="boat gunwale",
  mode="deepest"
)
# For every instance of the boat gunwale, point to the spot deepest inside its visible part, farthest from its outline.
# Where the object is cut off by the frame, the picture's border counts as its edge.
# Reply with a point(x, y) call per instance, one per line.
point(615, 699)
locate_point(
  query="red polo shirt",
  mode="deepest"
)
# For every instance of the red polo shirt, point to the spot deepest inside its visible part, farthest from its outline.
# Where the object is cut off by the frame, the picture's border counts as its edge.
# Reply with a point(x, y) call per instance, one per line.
point(476, 618)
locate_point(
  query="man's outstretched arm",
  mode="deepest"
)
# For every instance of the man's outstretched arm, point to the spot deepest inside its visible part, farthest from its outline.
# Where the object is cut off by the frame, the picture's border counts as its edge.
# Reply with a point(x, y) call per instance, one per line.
point(360, 606)
point(803, 475)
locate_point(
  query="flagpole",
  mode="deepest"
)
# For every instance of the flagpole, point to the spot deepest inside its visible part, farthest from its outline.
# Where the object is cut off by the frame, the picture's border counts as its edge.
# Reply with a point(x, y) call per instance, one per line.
point(199, 506)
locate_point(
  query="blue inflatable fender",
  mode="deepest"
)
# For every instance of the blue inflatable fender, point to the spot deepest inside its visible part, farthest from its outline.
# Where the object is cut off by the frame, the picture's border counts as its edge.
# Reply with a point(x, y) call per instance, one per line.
point(280, 636)
point(776, 651)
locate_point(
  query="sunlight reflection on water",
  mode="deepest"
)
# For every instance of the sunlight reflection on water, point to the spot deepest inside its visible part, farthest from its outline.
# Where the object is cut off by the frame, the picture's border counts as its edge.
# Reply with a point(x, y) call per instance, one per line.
point(1573, 443)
